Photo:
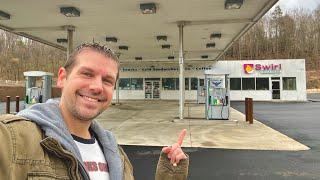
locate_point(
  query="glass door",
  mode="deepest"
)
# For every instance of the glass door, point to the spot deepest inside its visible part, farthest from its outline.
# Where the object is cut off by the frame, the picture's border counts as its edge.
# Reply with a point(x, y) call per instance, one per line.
point(275, 89)
point(156, 90)
point(152, 89)
point(148, 89)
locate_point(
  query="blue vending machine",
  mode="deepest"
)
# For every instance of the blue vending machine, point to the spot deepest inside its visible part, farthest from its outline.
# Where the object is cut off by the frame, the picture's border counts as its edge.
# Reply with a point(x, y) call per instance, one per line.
point(217, 99)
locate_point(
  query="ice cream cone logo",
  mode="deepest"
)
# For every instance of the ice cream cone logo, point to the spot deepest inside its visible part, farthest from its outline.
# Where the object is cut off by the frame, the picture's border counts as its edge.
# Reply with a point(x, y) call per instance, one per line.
point(248, 68)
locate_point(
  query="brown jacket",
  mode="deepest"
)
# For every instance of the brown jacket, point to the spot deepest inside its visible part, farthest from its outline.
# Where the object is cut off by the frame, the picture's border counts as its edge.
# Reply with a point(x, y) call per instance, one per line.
point(25, 153)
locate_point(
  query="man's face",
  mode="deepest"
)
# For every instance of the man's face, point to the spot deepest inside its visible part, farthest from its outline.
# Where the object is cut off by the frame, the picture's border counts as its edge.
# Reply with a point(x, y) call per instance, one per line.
point(88, 88)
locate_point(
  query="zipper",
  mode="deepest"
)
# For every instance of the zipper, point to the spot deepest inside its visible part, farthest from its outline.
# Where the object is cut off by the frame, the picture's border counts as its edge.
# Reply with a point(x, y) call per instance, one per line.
point(54, 147)
point(83, 171)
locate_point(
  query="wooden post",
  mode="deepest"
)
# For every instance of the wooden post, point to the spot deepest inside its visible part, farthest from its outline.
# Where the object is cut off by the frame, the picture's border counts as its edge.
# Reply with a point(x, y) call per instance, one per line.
point(250, 111)
point(8, 104)
point(17, 103)
point(246, 108)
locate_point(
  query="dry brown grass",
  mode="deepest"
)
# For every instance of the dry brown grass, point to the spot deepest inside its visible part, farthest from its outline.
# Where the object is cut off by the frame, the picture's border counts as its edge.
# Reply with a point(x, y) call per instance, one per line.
point(313, 79)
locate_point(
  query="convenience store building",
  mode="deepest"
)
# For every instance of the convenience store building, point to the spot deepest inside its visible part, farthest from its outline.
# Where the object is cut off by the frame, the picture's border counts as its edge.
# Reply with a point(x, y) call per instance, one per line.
point(262, 80)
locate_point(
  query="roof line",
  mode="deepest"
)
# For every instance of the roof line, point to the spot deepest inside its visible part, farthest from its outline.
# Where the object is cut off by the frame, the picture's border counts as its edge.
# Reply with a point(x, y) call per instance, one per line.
point(5, 28)
point(218, 21)
point(167, 61)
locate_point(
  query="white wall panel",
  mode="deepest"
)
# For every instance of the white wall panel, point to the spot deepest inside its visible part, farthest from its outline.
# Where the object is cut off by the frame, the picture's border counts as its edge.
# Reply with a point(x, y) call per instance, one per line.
point(130, 94)
point(289, 68)
point(255, 95)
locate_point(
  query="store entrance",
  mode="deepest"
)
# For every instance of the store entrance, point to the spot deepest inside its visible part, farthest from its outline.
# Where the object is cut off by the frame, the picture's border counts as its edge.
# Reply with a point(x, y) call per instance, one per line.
point(152, 89)
point(275, 89)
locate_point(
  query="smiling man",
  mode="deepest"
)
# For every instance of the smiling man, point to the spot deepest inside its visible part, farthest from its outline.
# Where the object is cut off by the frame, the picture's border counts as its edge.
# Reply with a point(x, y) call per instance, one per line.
point(60, 139)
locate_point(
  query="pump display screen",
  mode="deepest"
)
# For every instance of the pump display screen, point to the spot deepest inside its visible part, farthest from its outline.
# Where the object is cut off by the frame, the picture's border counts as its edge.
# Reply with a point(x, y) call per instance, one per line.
point(217, 83)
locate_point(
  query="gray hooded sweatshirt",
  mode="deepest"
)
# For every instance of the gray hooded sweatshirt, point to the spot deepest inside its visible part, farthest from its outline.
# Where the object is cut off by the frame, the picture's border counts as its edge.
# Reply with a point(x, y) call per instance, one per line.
point(48, 117)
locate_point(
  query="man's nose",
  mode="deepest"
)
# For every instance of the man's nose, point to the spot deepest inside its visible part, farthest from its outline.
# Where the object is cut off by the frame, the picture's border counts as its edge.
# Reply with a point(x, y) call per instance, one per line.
point(96, 85)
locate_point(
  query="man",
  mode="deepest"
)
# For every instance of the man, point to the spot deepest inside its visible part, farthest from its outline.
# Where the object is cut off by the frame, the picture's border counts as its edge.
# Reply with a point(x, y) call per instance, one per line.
point(61, 139)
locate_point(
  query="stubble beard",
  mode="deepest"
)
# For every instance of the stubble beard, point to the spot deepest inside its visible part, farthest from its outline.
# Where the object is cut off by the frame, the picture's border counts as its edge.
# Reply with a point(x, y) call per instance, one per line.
point(78, 114)
point(83, 117)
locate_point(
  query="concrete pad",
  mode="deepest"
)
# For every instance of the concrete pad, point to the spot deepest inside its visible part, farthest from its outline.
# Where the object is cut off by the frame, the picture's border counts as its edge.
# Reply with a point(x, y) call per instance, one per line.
point(151, 134)
point(154, 123)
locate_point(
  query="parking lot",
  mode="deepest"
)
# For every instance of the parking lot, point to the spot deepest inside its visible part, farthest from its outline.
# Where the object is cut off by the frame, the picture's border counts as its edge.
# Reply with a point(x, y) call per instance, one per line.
point(297, 120)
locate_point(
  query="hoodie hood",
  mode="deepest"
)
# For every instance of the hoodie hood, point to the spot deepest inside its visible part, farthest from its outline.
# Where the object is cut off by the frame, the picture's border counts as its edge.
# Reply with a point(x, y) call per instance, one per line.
point(48, 117)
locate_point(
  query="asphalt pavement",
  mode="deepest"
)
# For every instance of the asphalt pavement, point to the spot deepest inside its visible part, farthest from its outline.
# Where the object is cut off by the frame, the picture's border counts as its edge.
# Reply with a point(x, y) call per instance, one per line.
point(298, 120)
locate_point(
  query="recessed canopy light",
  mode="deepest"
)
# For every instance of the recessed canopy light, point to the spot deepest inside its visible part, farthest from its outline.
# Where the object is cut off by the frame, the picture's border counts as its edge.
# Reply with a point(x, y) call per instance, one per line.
point(70, 11)
point(166, 46)
point(215, 35)
point(138, 58)
point(211, 45)
point(204, 56)
point(162, 38)
point(111, 39)
point(233, 4)
point(123, 47)
point(4, 16)
point(62, 40)
point(170, 57)
point(148, 8)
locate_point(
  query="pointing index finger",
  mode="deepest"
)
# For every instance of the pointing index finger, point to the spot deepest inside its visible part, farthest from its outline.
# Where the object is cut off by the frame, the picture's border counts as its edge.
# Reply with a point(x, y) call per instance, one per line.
point(181, 136)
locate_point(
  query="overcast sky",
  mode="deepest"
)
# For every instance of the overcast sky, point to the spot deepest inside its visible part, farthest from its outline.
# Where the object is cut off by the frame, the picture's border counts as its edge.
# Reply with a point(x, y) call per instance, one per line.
point(293, 4)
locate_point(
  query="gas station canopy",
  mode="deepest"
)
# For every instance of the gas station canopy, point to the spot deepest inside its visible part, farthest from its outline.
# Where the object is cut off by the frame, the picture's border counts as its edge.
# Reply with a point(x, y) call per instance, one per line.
point(137, 30)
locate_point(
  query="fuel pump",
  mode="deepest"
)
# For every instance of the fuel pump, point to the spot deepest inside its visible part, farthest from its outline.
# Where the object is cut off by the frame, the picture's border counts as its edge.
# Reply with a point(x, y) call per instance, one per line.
point(37, 91)
point(217, 95)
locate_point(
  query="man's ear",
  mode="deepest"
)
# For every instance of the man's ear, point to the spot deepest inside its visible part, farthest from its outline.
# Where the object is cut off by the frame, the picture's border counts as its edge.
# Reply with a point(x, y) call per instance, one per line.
point(62, 75)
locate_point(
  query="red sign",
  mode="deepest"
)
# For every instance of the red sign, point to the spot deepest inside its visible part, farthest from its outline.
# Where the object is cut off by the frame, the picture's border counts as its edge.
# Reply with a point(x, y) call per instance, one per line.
point(262, 68)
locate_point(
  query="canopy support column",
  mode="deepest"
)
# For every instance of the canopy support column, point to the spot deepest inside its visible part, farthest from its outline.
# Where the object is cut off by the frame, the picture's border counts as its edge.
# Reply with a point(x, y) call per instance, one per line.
point(70, 30)
point(181, 68)
point(117, 92)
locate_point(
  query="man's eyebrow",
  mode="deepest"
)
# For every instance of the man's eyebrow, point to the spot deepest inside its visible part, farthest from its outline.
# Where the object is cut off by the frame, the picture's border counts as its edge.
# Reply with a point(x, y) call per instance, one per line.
point(105, 77)
point(85, 69)
point(108, 76)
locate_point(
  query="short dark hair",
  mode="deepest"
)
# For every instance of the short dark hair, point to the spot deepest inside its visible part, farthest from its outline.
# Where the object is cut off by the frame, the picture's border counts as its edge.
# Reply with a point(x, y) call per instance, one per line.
point(93, 46)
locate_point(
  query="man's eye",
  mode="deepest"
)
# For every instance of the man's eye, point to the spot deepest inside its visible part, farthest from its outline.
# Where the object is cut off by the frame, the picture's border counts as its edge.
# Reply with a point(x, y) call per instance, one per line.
point(87, 74)
point(107, 82)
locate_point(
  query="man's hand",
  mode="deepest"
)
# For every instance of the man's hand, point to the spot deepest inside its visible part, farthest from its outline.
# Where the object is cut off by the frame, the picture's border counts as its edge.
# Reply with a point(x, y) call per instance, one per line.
point(174, 152)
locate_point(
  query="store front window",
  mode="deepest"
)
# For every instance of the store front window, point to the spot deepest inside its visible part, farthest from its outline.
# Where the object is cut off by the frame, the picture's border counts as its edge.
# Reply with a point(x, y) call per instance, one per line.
point(262, 83)
point(235, 83)
point(186, 84)
point(131, 83)
point(194, 83)
point(124, 83)
point(170, 83)
point(201, 82)
point(289, 83)
point(248, 84)
point(136, 84)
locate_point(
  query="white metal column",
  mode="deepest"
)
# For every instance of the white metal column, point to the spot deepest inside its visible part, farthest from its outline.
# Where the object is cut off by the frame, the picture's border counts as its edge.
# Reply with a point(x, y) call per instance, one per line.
point(181, 68)
point(70, 30)
point(117, 92)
